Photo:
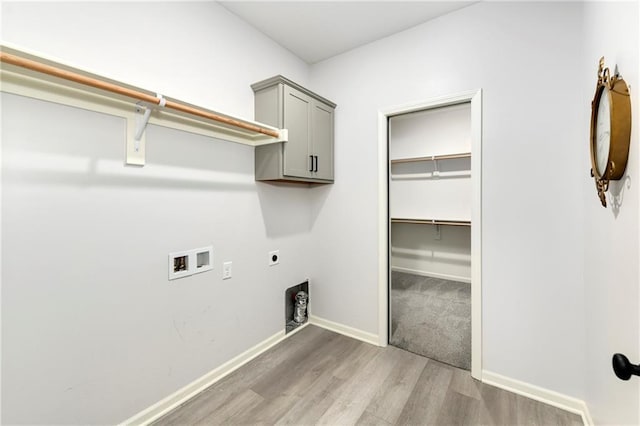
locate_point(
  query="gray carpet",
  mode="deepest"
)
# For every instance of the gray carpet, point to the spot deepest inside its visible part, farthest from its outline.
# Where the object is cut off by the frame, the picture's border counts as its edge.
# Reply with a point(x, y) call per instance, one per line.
point(432, 317)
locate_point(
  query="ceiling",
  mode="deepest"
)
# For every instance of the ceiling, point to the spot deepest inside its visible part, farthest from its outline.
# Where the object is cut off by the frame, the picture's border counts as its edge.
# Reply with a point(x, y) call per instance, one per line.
point(317, 30)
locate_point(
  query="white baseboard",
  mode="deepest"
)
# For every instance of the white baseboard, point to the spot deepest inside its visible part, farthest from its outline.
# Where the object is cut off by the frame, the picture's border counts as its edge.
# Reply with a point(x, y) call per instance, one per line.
point(162, 407)
point(346, 330)
point(568, 403)
point(432, 274)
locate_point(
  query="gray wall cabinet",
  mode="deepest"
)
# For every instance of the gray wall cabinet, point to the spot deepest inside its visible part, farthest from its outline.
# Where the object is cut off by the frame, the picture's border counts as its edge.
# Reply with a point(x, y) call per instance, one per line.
point(308, 155)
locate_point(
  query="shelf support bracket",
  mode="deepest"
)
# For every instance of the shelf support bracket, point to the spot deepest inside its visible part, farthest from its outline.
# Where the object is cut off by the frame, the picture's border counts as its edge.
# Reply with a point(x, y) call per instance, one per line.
point(136, 141)
point(436, 171)
point(141, 122)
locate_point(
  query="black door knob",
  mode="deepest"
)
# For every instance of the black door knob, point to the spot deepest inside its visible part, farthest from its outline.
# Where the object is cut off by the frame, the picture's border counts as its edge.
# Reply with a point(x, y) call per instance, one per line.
point(623, 368)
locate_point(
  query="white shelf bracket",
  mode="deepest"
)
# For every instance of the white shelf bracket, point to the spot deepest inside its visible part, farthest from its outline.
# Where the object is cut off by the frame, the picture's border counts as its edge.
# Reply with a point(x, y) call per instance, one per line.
point(436, 171)
point(141, 122)
point(136, 141)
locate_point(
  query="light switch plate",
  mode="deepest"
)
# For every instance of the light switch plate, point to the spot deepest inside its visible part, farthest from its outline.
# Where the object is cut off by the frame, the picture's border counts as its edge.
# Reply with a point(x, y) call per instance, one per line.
point(227, 270)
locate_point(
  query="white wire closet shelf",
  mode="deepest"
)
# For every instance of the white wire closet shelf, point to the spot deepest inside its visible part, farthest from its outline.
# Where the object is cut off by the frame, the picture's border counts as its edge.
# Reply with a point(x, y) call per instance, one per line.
point(431, 221)
point(431, 158)
point(412, 168)
point(32, 75)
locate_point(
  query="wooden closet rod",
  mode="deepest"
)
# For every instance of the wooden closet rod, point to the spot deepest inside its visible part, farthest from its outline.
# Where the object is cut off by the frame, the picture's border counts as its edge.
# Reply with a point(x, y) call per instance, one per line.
point(135, 94)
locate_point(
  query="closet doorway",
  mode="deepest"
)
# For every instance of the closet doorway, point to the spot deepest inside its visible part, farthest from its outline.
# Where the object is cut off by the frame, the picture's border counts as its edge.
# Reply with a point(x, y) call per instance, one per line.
point(432, 229)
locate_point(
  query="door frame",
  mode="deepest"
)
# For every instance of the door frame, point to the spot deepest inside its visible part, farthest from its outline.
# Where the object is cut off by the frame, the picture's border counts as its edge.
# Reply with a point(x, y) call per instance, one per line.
point(475, 98)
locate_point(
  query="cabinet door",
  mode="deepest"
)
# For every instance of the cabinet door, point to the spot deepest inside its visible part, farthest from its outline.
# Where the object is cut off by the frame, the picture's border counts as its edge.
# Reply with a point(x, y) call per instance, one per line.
point(322, 140)
point(297, 118)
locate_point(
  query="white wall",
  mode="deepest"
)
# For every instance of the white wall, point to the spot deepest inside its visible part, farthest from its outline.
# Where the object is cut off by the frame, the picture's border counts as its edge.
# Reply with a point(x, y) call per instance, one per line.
point(612, 280)
point(523, 56)
point(436, 131)
point(417, 192)
point(92, 330)
point(419, 249)
point(193, 51)
point(414, 190)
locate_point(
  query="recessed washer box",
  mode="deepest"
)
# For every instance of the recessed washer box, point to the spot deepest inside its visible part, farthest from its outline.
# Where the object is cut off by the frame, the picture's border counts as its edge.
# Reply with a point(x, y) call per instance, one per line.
point(189, 262)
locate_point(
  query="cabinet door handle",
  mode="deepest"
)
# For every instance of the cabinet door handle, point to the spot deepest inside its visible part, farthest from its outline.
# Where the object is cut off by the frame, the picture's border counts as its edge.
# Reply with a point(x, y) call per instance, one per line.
point(311, 167)
point(316, 169)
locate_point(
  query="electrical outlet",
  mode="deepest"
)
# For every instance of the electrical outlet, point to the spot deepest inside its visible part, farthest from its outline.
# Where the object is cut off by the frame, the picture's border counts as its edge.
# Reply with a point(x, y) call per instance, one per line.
point(226, 270)
point(274, 257)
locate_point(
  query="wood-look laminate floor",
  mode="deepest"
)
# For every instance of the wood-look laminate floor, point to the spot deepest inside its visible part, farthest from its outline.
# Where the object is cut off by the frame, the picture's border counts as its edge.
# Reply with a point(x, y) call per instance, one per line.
point(320, 377)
